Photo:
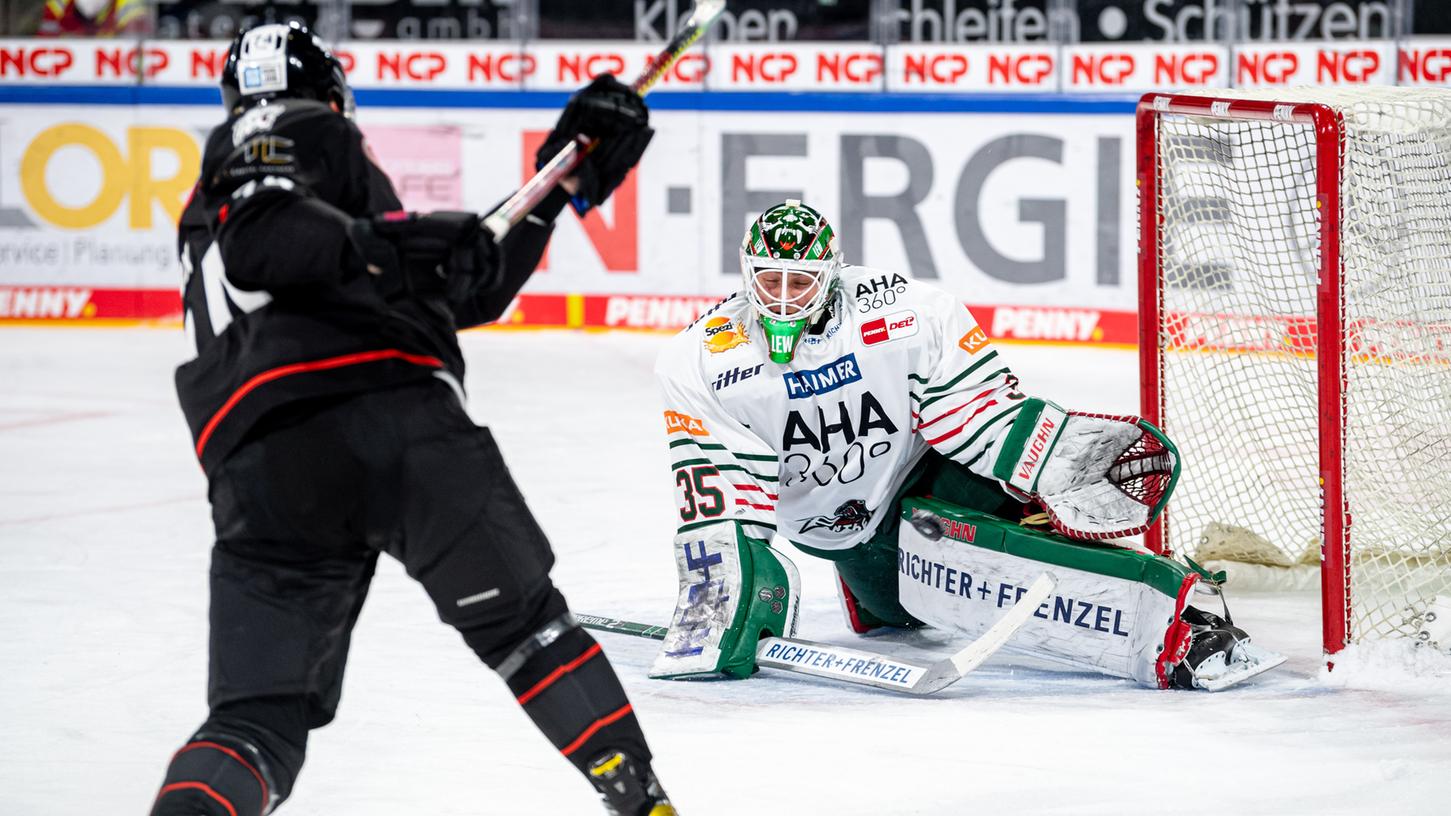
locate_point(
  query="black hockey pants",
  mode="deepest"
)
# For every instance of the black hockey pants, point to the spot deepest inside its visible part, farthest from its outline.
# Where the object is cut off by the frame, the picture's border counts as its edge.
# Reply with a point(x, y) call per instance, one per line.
point(302, 511)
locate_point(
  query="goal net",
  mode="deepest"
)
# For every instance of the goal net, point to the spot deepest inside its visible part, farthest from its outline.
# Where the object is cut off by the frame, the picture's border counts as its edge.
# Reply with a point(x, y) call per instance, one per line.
point(1295, 293)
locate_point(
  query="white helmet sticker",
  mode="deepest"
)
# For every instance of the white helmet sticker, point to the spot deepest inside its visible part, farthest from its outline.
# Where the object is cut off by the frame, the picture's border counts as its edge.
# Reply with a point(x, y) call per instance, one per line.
point(262, 61)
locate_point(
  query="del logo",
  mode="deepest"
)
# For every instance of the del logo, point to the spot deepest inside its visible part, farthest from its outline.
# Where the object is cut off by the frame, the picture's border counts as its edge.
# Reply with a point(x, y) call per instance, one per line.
point(973, 341)
point(684, 422)
point(853, 515)
point(829, 377)
point(723, 335)
point(891, 327)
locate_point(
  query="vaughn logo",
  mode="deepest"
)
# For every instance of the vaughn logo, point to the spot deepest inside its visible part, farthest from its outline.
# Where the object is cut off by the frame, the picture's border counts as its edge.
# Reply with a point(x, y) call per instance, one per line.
point(1050, 424)
point(726, 379)
point(821, 380)
point(891, 327)
point(852, 516)
point(1035, 449)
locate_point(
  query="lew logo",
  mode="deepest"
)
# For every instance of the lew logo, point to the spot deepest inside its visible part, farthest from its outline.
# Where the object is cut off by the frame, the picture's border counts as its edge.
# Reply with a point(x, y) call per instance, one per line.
point(891, 327)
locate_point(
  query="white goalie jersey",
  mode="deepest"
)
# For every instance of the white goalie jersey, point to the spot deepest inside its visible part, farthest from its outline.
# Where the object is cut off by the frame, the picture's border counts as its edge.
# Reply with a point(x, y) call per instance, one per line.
point(816, 449)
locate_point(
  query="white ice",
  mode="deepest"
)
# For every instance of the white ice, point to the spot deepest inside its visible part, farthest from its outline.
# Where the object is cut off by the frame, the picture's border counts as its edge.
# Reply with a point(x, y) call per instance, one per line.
point(104, 537)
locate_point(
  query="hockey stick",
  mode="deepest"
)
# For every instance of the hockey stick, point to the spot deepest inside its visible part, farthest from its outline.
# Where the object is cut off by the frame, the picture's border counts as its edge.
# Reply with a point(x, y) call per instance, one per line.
point(866, 668)
point(518, 205)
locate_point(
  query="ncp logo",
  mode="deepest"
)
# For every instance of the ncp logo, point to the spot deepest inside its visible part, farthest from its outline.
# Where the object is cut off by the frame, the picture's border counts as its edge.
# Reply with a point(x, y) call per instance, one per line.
point(1186, 69)
point(1268, 68)
point(935, 69)
point(768, 68)
point(1102, 69)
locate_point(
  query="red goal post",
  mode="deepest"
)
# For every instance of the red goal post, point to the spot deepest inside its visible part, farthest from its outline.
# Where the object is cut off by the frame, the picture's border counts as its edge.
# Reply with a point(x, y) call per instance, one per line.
point(1295, 318)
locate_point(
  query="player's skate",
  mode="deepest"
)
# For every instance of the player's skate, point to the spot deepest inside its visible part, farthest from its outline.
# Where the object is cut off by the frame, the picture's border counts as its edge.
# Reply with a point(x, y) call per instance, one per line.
point(628, 787)
point(1220, 654)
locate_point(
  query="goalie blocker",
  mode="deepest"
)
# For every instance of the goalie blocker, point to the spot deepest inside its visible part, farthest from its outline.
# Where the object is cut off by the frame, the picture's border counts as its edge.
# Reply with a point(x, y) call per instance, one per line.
point(1115, 611)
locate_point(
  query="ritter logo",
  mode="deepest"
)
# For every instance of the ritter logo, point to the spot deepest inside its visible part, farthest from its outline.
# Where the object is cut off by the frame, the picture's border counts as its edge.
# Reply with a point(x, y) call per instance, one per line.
point(850, 517)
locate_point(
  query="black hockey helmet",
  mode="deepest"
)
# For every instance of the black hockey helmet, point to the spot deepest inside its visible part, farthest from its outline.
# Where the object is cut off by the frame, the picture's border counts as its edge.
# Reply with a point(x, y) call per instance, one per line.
point(283, 61)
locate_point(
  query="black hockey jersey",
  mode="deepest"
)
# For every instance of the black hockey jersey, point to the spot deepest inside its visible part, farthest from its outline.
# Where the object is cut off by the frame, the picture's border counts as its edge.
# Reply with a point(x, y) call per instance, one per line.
point(278, 299)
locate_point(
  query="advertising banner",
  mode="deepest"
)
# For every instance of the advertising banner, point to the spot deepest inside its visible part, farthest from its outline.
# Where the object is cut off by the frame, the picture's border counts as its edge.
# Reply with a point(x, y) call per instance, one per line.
point(838, 67)
point(1001, 208)
point(961, 165)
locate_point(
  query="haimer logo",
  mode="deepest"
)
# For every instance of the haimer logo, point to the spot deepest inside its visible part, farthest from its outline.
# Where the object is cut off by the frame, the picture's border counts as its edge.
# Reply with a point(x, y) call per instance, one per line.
point(829, 377)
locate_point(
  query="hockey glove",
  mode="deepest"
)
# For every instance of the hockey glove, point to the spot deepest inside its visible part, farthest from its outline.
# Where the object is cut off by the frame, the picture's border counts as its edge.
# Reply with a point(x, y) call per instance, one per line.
point(1098, 476)
point(606, 110)
point(425, 253)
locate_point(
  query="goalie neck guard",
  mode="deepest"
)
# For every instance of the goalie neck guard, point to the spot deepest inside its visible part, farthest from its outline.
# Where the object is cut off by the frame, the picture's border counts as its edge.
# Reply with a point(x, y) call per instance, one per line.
point(790, 263)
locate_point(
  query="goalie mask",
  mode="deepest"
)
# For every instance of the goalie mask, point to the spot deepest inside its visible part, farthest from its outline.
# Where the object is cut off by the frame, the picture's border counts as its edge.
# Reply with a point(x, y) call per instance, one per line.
point(790, 263)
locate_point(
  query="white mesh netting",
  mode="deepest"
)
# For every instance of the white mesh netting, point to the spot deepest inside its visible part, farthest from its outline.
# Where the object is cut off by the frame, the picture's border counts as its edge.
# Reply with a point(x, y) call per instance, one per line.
point(1239, 259)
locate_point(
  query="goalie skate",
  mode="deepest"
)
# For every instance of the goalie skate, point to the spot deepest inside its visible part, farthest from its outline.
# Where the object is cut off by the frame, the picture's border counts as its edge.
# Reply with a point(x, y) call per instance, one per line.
point(1220, 655)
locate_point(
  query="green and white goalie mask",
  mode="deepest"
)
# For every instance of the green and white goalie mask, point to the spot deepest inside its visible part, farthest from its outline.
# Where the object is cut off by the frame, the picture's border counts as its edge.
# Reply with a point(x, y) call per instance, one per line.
point(791, 263)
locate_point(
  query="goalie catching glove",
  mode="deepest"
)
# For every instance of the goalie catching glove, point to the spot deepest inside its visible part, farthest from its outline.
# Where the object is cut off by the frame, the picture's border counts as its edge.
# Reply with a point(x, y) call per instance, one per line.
point(1098, 476)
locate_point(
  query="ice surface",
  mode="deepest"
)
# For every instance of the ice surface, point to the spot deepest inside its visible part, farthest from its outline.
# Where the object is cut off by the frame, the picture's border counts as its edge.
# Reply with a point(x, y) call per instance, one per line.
point(104, 536)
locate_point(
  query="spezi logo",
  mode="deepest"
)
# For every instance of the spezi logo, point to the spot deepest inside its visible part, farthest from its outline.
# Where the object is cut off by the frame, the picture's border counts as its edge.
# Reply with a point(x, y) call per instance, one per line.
point(723, 335)
point(891, 327)
point(828, 378)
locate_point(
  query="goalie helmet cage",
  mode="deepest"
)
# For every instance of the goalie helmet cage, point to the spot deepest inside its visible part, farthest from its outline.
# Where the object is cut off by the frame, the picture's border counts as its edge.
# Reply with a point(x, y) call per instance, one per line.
point(1295, 338)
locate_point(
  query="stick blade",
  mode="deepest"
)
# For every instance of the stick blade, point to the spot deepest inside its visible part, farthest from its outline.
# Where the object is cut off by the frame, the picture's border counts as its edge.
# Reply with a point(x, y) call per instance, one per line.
point(999, 633)
point(704, 12)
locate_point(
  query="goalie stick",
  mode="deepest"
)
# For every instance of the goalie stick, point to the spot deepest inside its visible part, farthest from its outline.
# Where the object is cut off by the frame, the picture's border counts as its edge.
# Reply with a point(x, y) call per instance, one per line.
point(518, 205)
point(863, 667)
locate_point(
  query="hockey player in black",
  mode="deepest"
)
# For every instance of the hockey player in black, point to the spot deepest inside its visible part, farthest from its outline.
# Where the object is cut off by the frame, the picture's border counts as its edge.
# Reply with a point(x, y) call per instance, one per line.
point(325, 408)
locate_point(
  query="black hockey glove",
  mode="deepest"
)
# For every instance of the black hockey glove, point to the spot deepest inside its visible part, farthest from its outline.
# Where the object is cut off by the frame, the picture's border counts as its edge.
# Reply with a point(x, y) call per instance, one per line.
point(609, 111)
point(426, 253)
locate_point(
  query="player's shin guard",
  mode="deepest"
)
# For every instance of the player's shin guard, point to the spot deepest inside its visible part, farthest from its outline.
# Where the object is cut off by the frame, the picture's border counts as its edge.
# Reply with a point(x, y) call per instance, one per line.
point(216, 775)
point(568, 687)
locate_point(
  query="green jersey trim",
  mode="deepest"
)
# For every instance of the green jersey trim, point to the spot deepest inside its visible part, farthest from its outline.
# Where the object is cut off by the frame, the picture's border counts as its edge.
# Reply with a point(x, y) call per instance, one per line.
point(1163, 575)
point(955, 380)
point(718, 466)
point(941, 397)
point(1012, 409)
point(710, 446)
